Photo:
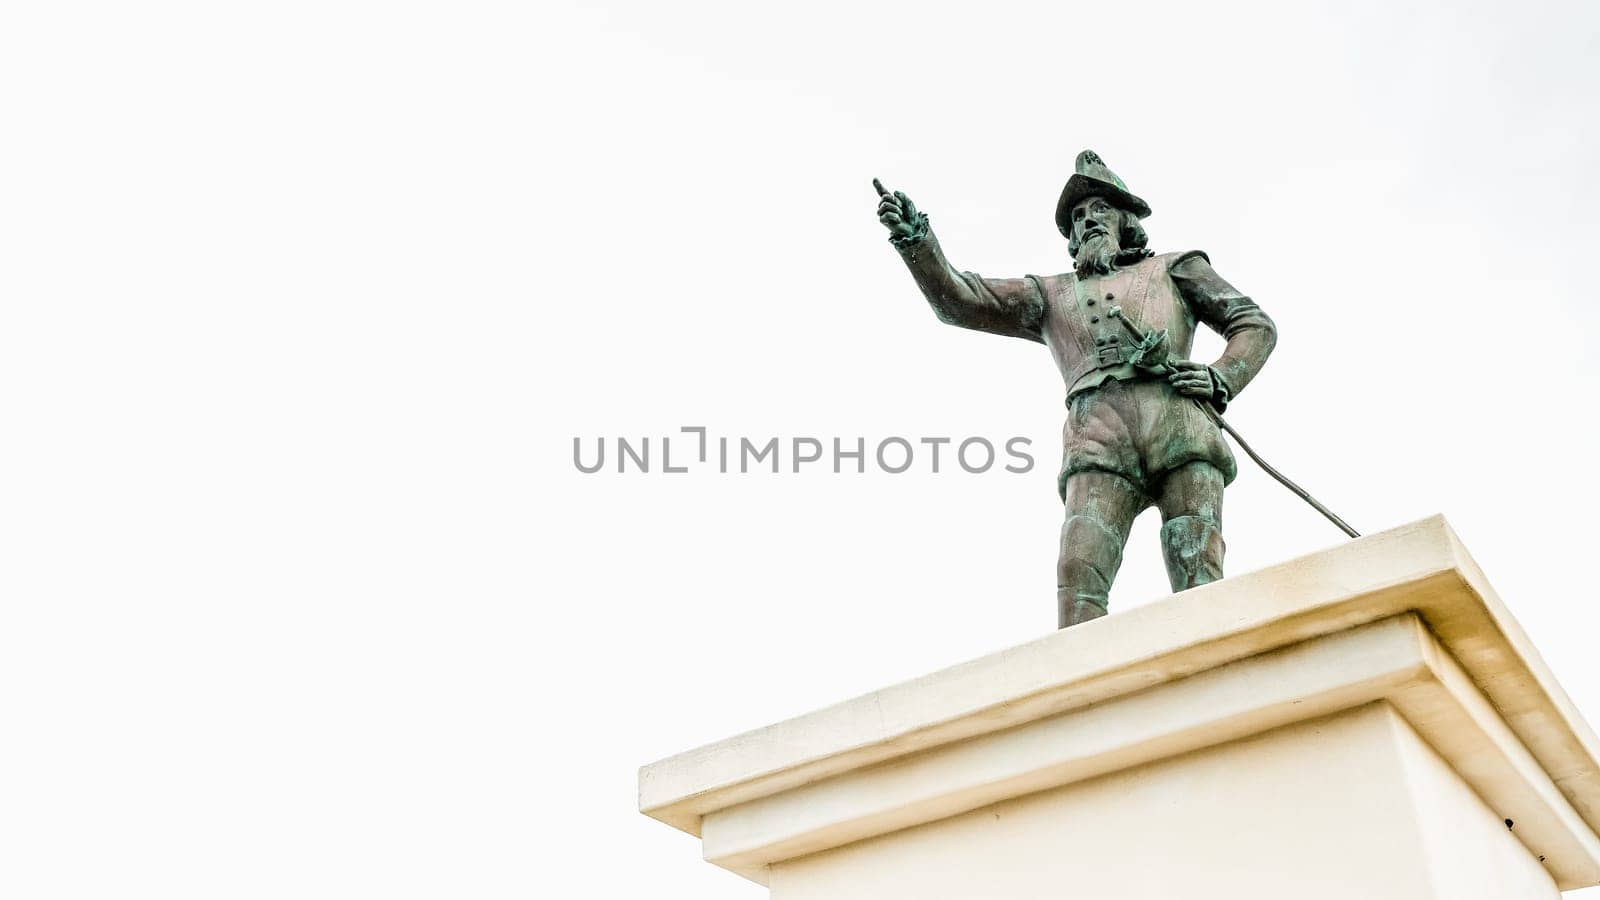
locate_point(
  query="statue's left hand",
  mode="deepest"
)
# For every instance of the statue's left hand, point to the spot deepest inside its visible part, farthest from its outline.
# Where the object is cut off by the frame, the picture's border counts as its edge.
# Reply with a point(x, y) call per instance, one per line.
point(1192, 379)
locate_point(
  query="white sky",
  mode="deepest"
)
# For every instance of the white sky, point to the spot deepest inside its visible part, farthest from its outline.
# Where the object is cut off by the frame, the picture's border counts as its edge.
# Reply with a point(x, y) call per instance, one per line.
point(306, 302)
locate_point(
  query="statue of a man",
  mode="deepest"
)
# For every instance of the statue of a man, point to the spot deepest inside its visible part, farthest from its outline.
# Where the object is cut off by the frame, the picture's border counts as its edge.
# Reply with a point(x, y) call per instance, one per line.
point(1135, 436)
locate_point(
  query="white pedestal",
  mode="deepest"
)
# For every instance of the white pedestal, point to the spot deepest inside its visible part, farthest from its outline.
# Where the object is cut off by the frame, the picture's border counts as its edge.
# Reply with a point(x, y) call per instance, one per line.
point(1362, 722)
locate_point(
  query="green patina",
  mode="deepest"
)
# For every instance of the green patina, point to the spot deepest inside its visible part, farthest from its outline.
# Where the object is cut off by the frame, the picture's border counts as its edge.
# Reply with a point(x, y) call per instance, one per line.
point(1144, 426)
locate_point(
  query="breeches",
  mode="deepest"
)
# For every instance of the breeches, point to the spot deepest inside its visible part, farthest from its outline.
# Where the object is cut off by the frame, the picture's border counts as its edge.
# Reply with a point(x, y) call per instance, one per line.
point(1140, 430)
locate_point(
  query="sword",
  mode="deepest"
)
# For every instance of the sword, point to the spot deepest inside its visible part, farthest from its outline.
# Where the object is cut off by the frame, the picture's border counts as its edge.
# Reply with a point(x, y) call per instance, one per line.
point(1140, 336)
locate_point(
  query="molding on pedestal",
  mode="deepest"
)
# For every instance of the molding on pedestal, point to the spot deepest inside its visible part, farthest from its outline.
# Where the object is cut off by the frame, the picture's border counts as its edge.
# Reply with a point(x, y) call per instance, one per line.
point(1403, 618)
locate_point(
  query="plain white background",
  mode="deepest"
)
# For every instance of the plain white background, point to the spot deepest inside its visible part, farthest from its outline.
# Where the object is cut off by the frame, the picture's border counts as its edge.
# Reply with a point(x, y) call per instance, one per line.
point(306, 302)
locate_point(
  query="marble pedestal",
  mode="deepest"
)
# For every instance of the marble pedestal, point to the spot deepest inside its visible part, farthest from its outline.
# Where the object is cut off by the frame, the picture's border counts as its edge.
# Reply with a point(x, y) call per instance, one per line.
point(1367, 721)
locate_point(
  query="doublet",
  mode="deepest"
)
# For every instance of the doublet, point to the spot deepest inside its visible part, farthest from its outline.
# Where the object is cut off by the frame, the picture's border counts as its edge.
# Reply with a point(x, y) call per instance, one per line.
point(1120, 419)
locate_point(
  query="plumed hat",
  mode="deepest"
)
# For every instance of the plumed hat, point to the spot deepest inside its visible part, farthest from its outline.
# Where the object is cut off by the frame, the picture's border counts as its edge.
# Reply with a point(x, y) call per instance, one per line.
point(1090, 179)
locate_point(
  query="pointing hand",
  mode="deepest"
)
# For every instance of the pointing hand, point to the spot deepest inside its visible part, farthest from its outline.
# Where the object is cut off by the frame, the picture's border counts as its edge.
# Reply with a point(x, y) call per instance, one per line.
point(898, 214)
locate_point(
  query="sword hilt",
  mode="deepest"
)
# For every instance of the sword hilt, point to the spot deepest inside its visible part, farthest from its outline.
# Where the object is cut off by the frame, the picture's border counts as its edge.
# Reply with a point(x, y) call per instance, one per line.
point(1138, 334)
point(1115, 312)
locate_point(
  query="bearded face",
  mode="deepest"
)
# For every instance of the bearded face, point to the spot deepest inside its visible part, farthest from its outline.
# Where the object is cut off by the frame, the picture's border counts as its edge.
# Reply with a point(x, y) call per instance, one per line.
point(1099, 232)
point(1097, 253)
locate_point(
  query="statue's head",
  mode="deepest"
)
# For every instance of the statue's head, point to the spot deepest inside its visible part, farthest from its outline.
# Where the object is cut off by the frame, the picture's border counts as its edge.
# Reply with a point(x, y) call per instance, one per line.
point(1100, 218)
point(1103, 236)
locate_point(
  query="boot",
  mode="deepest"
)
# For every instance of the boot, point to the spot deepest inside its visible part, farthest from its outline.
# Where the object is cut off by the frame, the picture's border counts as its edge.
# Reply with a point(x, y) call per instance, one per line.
point(1193, 549)
point(1090, 556)
point(1075, 610)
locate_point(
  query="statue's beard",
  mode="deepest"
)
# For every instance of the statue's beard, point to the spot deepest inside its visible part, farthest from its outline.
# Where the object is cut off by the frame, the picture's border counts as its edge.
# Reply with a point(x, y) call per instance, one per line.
point(1097, 255)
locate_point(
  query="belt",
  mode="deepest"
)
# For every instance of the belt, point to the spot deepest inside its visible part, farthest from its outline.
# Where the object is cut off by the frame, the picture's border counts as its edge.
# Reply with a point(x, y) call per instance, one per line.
point(1112, 353)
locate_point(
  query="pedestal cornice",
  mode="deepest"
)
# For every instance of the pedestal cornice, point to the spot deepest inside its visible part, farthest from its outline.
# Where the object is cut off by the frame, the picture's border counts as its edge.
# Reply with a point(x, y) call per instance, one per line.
point(1403, 618)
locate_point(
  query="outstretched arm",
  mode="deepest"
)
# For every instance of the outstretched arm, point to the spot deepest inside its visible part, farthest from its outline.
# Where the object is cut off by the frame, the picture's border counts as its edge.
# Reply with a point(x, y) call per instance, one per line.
point(1013, 307)
point(1250, 333)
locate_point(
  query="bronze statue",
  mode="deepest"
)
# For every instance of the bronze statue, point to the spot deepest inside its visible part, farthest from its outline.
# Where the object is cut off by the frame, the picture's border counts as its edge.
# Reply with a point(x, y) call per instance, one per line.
point(1142, 424)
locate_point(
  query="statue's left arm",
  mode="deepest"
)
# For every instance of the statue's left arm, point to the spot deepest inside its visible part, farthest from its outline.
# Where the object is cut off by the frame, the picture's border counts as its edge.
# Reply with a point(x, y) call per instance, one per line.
point(1250, 333)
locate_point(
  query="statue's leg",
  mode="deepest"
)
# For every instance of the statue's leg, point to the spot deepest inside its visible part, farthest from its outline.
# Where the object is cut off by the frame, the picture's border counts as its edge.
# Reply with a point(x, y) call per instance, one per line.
point(1100, 509)
point(1190, 500)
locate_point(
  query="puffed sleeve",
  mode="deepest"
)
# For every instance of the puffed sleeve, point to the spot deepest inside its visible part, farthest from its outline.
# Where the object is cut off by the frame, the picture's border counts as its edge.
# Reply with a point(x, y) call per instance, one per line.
point(1250, 333)
point(1013, 307)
